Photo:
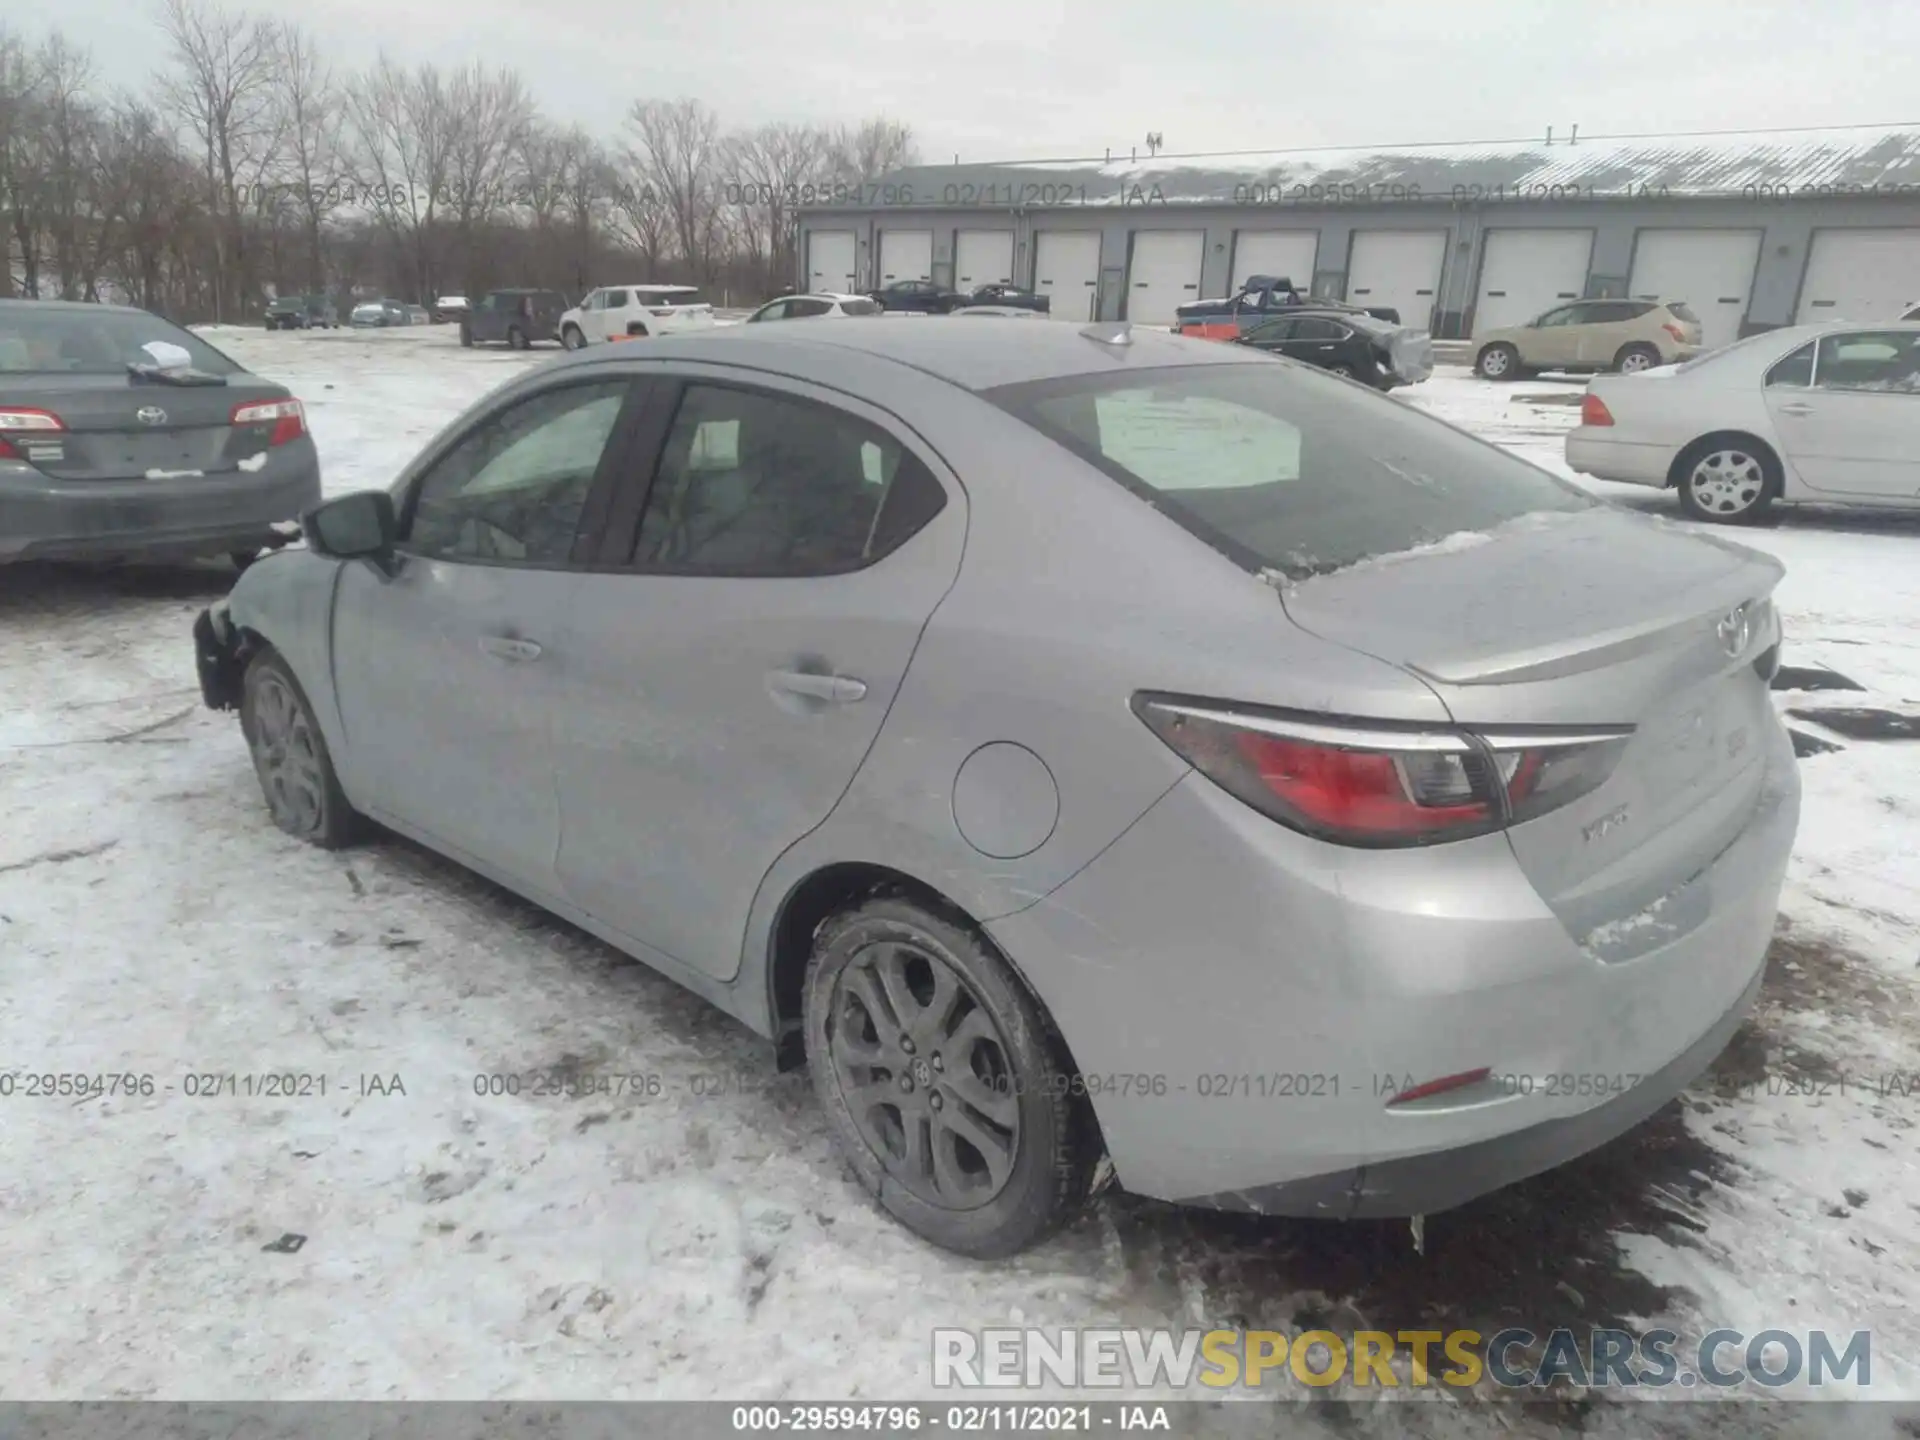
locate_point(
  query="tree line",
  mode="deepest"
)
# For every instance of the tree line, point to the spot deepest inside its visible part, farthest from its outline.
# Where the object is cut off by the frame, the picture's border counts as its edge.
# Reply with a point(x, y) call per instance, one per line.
point(250, 167)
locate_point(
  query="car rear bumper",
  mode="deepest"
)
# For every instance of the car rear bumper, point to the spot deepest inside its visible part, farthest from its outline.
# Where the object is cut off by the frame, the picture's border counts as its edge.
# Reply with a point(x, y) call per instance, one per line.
point(44, 518)
point(1243, 1003)
point(1595, 450)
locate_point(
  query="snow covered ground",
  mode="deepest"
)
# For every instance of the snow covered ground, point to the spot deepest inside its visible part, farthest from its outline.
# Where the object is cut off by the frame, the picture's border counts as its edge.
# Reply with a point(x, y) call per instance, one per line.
point(698, 1239)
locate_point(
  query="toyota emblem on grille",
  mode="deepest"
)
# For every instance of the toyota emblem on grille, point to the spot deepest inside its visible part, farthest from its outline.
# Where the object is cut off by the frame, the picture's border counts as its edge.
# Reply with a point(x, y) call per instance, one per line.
point(150, 415)
point(1735, 630)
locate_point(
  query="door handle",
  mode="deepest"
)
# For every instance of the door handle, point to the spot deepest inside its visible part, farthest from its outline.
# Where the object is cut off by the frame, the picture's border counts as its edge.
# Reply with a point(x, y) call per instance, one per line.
point(1796, 409)
point(834, 689)
point(507, 647)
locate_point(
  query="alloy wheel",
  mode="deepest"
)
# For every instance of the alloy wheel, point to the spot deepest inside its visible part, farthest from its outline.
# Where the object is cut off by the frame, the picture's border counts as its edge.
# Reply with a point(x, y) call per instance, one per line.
point(1726, 483)
point(1635, 361)
point(926, 1075)
point(286, 756)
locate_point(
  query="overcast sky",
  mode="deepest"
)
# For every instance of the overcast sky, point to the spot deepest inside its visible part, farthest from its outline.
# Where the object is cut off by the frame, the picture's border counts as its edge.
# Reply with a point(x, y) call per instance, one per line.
point(1029, 79)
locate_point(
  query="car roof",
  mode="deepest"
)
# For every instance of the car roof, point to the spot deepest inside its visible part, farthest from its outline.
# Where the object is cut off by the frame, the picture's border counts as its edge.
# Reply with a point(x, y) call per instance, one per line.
point(973, 357)
point(91, 307)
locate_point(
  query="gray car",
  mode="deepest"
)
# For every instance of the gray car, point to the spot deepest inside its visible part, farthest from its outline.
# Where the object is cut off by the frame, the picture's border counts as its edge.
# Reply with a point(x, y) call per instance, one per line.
point(122, 434)
point(1065, 747)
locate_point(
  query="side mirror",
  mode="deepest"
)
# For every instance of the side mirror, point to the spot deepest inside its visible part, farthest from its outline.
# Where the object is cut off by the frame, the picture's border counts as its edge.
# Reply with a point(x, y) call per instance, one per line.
point(360, 526)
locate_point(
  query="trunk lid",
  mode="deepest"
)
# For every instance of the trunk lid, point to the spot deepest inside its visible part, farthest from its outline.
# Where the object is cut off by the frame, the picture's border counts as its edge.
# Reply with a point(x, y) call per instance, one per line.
point(1595, 618)
point(127, 428)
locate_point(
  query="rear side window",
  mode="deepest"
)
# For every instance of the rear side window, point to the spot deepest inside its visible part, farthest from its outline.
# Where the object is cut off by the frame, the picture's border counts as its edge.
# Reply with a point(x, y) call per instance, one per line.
point(1682, 313)
point(98, 341)
point(754, 483)
point(1286, 470)
point(859, 307)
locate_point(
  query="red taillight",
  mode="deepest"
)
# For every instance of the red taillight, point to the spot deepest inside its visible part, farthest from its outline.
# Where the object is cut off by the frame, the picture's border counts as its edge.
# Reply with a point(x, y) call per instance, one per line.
point(1593, 411)
point(287, 417)
point(1679, 335)
point(1442, 1086)
point(1380, 785)
point(20, 419)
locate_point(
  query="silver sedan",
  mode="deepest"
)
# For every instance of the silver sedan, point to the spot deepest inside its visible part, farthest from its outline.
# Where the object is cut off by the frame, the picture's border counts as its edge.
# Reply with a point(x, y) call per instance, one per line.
point(1074, 744)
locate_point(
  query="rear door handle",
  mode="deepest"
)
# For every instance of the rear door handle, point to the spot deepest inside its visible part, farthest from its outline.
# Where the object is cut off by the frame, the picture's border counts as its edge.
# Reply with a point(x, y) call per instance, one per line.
point(1796, 409)
point(834, 689)
point(508, 647)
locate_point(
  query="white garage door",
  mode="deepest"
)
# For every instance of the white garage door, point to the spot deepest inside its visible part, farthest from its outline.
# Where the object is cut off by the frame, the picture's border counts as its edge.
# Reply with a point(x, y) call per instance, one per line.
point(1283, 254)
point(1164, 273)
point(1527, 271)
point(1397, 270)
point(982, 257)
point(1708, 271)
point(906, 255)
point(1861, 275)
point(1066, 269)
point(830, 261)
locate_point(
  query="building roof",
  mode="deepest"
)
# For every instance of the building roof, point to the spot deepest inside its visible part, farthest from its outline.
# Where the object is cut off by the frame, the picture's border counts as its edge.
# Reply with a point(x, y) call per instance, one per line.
point(1818, 163)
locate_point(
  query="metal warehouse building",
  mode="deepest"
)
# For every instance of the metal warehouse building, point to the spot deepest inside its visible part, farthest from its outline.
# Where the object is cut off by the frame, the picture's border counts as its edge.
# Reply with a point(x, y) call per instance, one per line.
point(1752, 230)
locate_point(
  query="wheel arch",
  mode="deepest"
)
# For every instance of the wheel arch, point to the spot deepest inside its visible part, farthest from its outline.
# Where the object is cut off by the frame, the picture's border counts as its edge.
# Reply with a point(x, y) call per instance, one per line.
point(1688, 452)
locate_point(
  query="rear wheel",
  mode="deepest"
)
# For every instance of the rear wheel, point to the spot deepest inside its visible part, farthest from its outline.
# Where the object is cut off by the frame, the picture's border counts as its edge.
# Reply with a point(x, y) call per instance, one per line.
point(1728, 479)
point(1345, 372)
point(466, 337)
point(290, 756)
point(1498, 362)
point(1634, 358)
point(948, 1089)
point(516, 338)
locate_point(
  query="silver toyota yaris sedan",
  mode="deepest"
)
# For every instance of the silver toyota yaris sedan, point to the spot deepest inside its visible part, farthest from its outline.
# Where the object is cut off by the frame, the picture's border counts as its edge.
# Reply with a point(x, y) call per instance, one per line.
point(1068, 744)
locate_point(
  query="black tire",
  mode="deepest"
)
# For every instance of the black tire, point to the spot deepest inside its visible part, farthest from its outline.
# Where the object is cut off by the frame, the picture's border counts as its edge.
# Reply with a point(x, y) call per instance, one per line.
point(1636, 357)
point(1016, 1064)
point(466, 337)
point(243, 558)
point(517, 338)
point(324, 818)
point(1345, 372)
point(572, 339)
point(1498, 361)
point(1727, 479)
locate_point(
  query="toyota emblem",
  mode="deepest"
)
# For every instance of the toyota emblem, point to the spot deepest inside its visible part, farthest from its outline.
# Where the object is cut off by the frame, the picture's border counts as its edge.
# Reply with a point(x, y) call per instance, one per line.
point(1735, 630)
point(150, 415)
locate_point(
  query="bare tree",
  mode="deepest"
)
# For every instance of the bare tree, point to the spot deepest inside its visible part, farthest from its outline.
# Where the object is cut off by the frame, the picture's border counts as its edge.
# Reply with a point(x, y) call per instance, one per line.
point(488, 117)
point(677, 145)
point(222, 92)
point(869, 150)
point(311, 118)
point(403, 122)
point(21, 102)
point(775, 169)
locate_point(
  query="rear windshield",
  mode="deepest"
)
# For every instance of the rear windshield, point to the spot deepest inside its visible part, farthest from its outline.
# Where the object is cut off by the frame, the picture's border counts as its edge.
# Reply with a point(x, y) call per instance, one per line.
point(672, 297)
point(1286, 470)
point(1681, 312)
point(95, 342)
point(859, 307)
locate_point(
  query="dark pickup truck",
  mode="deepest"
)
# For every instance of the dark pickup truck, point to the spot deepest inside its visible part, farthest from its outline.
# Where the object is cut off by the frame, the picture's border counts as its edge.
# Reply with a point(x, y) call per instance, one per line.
point(920, 297)
point(1260, 299)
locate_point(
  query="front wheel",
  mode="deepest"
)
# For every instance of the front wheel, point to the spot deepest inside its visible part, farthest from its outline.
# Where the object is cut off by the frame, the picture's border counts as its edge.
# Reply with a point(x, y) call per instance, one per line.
point(466, 337)
point(1728, 480)
point(1345, 372)
point(290, 756)
point(949, 1092)
point(517, 339)
point(1498, 362)
point(571, 338)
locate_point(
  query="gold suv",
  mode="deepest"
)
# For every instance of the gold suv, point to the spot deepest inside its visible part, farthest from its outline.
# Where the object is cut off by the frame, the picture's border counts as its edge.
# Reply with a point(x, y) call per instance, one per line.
point(1623, 335)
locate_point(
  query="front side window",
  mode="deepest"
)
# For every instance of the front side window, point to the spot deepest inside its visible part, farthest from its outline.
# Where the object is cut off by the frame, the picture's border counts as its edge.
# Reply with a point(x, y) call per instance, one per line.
point(1272, 331)
point(1870, 360)
point(753, 483)
point(615, 299)
point(1563, 316)
point(512, 490)
point(1286, 469)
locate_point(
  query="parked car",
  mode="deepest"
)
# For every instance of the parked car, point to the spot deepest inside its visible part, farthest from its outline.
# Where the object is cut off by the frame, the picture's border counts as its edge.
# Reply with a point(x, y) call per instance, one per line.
point(518, 318)
point(960, 837)
point(921, 297)
point(811, 307)
point(1828, 414)
point(123, 434)
point(449, 307)
point(379, 314)
point(1913, 314)
point(1261, 297)
point(1010, 297)
point(302, 312)
point(1623, 335)
point(1004, 312)
point(1355, 347)
point(630, 312)
point(419, 315)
